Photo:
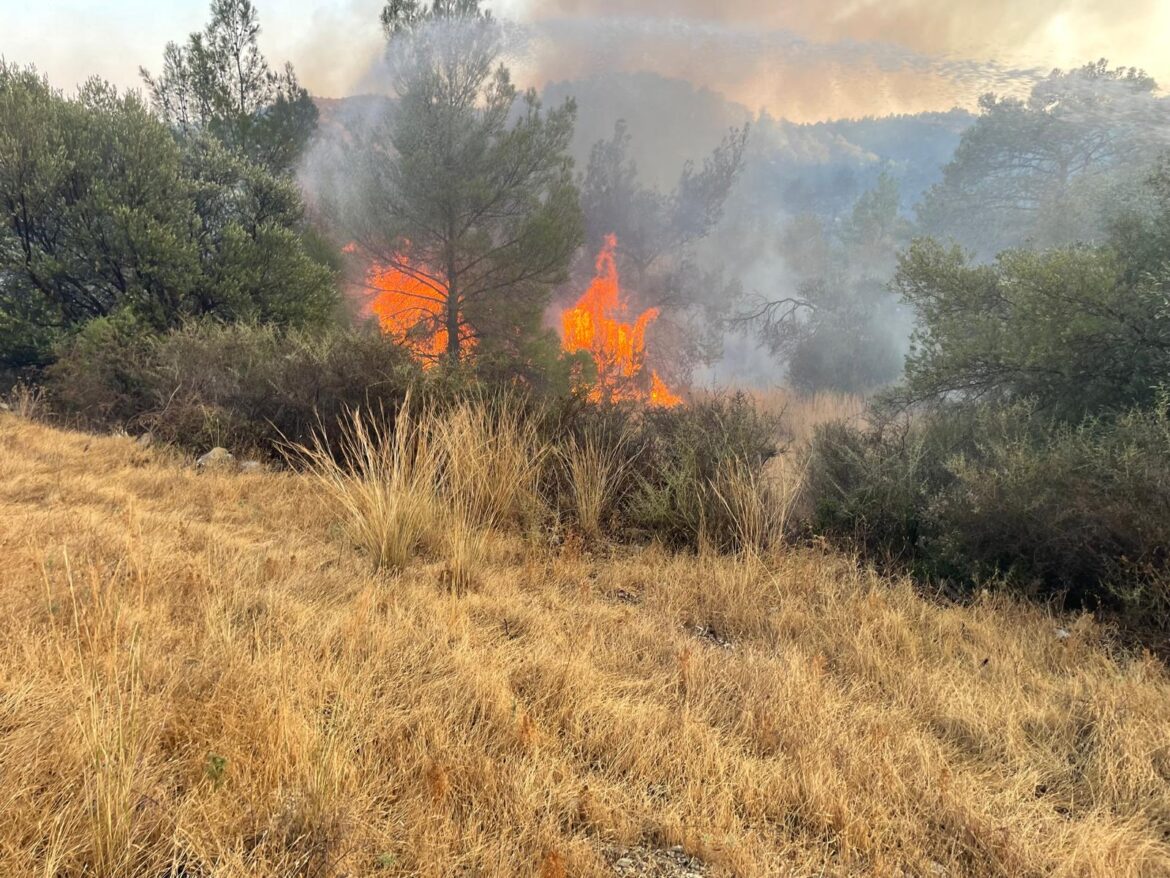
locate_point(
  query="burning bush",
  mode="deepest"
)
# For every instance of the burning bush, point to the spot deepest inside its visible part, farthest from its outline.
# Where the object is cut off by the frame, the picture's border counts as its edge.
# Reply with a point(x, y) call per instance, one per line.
point(668, 472)
point(600, 324)
point(409, 301)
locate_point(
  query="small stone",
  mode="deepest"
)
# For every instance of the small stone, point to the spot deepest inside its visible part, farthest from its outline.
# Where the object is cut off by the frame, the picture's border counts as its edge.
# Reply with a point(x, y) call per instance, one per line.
point(1063, 634)
point(624, 863)
point(214, 459)
point(251, 466)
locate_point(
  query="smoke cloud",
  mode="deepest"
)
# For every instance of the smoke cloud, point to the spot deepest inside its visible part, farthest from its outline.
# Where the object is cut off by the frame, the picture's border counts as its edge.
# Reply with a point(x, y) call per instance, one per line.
point(1042, 33)
point(801, 61)
point(804, 62)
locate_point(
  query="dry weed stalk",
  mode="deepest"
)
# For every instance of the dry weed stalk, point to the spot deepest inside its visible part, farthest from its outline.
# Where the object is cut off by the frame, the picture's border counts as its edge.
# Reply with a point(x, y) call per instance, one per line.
point(26, 401)
point(758, 503)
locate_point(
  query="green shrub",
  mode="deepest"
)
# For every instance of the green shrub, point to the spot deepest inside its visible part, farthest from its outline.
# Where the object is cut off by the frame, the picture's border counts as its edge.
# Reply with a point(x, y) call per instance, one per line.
point(1082, 509)
point(240, 386)
point(671, 463)
point(104, 375)
point(873, 487)
point(1004, 493)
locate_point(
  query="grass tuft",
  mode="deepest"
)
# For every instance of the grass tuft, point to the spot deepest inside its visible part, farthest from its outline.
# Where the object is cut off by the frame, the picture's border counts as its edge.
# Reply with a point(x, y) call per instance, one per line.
point(382, 479)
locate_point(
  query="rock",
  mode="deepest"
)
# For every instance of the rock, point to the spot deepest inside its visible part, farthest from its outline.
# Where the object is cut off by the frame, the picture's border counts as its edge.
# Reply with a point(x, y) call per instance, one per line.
point(647, 862)
point(251, 466)
point(145, 440)
point(5, 407)
point(1063, 634)
point(216, 458)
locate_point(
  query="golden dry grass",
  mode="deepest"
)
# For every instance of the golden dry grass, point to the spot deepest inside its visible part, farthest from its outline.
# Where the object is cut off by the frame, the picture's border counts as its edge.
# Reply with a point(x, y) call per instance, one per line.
point(801, 414)
point(593, 472)
point(199, 676)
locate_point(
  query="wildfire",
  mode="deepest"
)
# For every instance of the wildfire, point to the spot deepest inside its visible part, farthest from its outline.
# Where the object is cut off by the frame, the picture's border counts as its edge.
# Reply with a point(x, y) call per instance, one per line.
point(600, 324)
point(410, 307)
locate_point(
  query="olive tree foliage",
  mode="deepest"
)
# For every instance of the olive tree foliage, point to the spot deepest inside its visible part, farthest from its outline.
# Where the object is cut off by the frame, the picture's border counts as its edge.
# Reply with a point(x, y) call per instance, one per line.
point(1038, 170)
point(103, 214)
point(833, 318)
point(219, 83)
point(466, 188)
point(660, 236)
point(1080, 331)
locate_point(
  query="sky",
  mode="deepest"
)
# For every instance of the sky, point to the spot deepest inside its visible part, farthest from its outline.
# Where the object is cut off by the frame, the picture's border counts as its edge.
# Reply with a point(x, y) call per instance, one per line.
point(800, 60)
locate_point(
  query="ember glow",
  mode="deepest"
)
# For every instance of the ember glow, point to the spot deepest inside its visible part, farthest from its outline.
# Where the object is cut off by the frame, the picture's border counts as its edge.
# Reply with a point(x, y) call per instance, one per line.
point(601, 324)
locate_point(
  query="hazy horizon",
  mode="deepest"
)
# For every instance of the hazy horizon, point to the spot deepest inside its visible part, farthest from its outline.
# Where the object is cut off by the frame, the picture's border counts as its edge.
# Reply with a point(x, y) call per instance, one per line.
point(840, 59)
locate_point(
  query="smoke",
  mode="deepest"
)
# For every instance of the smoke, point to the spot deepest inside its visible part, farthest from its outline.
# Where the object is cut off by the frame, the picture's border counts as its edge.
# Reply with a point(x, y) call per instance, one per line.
point(681, 73)
point(788, 74)
point(1042, 33)
point(801, 61)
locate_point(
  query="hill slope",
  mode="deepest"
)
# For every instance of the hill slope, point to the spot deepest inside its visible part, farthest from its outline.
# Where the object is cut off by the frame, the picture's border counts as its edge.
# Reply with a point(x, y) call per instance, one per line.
point(198, 677)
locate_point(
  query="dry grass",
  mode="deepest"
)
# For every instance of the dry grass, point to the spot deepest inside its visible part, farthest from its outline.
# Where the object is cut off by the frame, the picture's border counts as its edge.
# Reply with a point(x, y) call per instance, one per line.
point(198, 677)
point(758, 503)
point(491, 461)
point(383, 481)
point(801, 414)
point(593, 471)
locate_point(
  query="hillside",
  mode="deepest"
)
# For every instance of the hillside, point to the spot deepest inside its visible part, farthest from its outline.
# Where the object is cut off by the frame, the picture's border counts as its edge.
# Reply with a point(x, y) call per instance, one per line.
point(790, 168)
point(230, 690)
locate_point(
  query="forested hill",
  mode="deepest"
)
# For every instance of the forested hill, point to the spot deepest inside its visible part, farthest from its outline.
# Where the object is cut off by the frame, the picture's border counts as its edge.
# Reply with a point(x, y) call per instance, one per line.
point(817, 168)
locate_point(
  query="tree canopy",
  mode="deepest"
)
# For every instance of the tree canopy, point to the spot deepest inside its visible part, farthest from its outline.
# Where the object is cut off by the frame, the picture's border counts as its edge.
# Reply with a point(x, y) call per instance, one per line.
point(467, 191)
point(102, 213)
point(1082, 330)
point(1034, 169)
point(220, 83)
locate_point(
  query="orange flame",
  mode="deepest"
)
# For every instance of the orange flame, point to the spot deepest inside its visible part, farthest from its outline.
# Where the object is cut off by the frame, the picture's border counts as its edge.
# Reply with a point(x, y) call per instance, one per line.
point(599, 323)
point(410, 306)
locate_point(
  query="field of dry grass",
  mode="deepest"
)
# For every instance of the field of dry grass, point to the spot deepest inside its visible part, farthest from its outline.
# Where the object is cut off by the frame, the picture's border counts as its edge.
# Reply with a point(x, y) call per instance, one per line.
point(200, 676)
point(800, 415)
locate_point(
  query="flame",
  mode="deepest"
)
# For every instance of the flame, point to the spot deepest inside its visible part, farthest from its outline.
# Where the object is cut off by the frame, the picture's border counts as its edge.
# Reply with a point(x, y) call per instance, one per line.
point(410, 306)
point(410, 310)
point(661, 395)
point(600, 324)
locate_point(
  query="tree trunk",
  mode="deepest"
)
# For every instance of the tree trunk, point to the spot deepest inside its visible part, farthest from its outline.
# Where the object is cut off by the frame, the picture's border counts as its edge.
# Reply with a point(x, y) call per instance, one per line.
point(452, 314)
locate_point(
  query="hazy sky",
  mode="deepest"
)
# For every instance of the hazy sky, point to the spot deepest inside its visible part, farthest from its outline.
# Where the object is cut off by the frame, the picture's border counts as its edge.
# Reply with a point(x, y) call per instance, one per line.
point(804, 60)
